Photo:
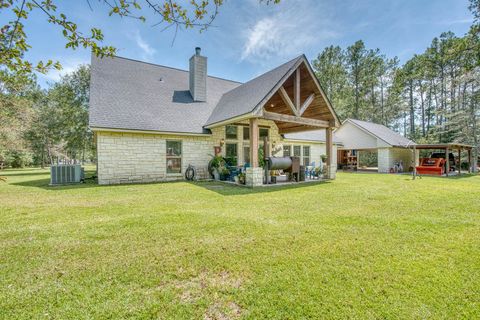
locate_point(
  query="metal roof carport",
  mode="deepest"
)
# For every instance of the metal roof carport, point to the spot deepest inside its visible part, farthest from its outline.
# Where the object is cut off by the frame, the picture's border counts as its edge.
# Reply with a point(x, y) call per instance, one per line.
point(447, 147)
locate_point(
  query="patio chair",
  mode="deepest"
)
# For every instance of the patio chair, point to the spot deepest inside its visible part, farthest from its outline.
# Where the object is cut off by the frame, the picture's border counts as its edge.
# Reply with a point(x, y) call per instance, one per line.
point(234, 171)
point(310, 170)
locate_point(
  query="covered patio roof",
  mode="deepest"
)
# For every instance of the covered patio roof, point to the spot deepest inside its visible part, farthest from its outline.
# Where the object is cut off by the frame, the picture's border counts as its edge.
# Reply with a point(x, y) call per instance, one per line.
point(296, 103)
point(299, 103)
point(444, 146)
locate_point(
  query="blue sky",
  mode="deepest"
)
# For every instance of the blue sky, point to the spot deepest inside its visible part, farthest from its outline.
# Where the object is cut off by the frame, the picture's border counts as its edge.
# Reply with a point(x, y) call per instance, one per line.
point(249, 38)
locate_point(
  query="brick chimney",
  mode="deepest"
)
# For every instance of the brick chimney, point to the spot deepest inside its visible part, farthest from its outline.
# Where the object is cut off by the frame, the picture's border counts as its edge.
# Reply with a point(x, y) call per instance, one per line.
point(198, 76)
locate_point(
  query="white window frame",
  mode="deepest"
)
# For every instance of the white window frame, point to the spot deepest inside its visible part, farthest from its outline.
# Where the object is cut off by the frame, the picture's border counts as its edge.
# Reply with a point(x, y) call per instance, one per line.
point(173, 157)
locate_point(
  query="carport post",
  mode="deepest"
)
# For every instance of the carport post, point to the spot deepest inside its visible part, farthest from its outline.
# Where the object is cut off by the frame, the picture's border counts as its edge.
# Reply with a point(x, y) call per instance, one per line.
point(447, 162)
point(459, 161)
point(414, 161)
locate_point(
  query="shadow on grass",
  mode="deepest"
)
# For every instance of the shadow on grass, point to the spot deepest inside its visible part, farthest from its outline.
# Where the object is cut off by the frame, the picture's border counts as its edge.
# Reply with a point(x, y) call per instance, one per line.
point(217, 187)
point(226, 189)
point(16, 174)
point(45, 182)
point(408, 175)
point(456, 177)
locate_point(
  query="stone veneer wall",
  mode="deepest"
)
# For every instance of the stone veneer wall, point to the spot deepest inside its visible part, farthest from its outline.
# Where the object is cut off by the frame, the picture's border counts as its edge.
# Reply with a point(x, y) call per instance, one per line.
point(135, 157)
point(141, 157)
point(254, 177)
point(387, 157)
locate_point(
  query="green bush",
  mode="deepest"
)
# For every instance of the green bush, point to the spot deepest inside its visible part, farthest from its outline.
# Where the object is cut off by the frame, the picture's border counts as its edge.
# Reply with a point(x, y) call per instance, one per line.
point(368, 158)
point(17, 159)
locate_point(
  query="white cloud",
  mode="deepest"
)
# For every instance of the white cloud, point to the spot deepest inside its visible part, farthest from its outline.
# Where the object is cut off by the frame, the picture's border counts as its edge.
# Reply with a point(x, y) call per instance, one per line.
point(289, 31)
point(147, 50)
point(459, 21)
point(68, 65)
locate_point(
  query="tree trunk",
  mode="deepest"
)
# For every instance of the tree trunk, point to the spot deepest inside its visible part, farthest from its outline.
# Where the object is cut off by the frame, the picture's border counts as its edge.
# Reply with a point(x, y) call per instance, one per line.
point(422, 107)
point(412, 110)
point(382, 102)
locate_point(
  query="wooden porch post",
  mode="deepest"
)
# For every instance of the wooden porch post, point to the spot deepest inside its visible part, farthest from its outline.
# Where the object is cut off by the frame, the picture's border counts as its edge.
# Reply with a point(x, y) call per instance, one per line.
point(254, 142)
point(447, 162)
point(329, 146)
point(459, 161)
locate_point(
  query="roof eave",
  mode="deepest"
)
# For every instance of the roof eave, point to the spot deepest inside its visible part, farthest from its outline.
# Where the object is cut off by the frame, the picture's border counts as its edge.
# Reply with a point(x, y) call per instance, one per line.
point(230, 120)
point(140, 131)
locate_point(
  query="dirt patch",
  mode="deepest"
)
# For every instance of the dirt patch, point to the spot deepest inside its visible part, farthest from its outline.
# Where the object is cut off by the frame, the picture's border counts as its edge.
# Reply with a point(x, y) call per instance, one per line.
point(223, 311)
point(214, 287)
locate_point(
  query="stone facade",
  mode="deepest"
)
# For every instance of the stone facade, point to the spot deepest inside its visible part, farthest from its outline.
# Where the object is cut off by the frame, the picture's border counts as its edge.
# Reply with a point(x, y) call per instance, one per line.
point(331, 172)
point(135, 157)
point(141, 157)
point(254, 177)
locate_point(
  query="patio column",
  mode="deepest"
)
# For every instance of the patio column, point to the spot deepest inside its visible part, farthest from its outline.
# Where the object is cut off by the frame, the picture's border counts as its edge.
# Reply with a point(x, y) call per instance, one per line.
point(329, 146)
point(254, 174)
point(254, 142)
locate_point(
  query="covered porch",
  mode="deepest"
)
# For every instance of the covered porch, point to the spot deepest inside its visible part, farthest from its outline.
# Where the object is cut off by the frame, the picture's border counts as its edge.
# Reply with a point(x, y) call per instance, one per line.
point(296, 104)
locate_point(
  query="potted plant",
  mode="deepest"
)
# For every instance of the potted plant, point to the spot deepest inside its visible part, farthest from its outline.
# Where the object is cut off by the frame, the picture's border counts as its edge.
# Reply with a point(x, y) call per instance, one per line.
point(318, 172)
point(241, 178)
point(224, 173)
point(324, 171)
point(214, 166)
point(324, 158)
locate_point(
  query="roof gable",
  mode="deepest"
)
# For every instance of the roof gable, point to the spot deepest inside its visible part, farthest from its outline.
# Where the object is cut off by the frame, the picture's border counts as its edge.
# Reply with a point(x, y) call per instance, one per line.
point(245, 98)
point(382, 132)
point(298, 102)
point(251, 97)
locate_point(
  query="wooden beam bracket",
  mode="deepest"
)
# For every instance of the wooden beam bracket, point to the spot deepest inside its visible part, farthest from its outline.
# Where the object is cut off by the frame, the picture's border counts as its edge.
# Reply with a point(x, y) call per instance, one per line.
point(286, 99)
point(294, 119)
point(306, 104)
point(296, 91)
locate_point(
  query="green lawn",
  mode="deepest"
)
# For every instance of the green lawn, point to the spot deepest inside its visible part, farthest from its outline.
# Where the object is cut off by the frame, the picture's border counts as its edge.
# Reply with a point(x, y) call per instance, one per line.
point(362, 246)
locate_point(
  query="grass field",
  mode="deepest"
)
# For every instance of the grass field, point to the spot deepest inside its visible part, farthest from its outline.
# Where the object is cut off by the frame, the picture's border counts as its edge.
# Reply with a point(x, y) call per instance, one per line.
point(362, 246)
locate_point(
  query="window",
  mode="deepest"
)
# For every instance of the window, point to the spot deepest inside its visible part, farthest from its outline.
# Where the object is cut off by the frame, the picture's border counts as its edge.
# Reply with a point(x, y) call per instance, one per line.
point(306, 155)
point(287, 151)
point(231, 132)
point(231, 154)
point(246, 133)
point(296, 151)
point(263, 132)
point(246, 154)
point(174, 156)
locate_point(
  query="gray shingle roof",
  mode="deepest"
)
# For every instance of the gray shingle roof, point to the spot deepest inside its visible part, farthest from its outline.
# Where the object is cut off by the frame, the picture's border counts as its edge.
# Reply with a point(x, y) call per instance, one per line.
point(383, 133)
point(245, 98)
point(128, 94)
point(134, 95)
